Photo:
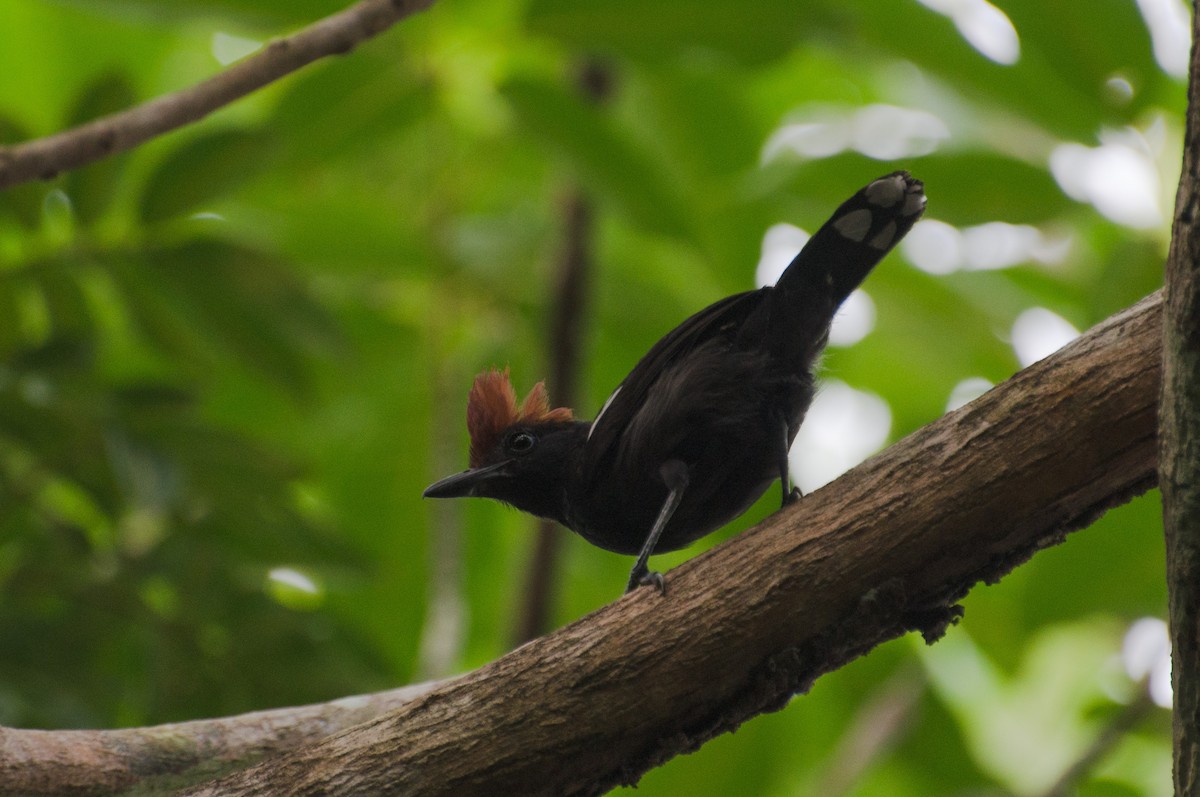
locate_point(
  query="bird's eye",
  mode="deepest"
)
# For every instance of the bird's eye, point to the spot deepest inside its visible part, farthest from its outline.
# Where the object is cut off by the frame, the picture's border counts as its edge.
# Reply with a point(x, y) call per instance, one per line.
point(520, 442)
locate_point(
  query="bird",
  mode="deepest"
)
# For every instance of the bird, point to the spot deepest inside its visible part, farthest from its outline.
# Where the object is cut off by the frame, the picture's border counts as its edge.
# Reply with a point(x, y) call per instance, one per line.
point(702, 425)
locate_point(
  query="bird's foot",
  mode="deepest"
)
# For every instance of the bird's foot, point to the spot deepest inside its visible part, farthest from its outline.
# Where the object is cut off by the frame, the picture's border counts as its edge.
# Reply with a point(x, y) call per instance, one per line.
point(792, 497)
point(641, 577)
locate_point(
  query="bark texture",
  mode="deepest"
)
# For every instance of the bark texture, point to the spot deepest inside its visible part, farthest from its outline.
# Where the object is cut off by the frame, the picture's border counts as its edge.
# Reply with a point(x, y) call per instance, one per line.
point(1180, 455)
point(109, 762)
point(889, 547)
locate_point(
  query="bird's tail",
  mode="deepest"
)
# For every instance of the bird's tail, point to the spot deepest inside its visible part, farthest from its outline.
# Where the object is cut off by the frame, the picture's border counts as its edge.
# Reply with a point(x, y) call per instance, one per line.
point(839, 256)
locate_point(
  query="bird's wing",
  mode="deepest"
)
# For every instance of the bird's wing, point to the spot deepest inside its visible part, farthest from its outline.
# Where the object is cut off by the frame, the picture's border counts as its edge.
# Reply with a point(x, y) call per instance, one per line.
point(722, 319)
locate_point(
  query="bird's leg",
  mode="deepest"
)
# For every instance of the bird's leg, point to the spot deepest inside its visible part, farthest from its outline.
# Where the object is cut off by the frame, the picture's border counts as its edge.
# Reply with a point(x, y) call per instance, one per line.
point(675, 475)
point(790, 494)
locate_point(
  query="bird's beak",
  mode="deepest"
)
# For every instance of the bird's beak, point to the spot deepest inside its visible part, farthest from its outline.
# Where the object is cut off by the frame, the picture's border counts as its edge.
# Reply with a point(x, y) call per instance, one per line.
point(464, 484)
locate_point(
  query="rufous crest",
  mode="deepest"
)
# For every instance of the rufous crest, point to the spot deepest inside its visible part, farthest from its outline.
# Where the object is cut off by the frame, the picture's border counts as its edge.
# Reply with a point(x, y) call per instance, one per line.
point(492, 408)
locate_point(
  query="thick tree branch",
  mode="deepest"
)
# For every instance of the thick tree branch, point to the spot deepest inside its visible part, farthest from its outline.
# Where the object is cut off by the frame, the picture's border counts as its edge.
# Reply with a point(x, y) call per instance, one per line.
point(1180, 454)
point(887, 548)
point(336, 34)
point(107, 762)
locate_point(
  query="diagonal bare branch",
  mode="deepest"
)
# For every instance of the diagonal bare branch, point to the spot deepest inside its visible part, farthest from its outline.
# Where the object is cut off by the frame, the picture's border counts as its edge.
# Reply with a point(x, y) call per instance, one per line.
point(43, 158)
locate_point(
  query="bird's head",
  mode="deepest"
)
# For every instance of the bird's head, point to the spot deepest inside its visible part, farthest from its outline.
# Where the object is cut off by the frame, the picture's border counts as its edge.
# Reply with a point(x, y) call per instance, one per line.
point(519, 454)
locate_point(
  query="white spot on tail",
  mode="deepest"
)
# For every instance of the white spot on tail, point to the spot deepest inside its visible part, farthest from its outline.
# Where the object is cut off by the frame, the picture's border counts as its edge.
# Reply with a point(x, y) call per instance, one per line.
point(885, 237)
point(854, 225)
point(914, 203)
point(886, 191)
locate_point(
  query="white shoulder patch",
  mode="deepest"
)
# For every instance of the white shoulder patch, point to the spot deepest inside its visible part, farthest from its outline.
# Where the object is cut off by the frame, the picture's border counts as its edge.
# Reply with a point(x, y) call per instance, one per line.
point(607, 403)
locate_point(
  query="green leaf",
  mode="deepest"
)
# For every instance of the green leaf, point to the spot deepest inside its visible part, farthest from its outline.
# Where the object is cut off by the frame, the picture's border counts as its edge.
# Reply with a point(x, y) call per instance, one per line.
point(217, 297)
point(66, 304)
point(91, 187)
point(21, 203)
point(999, 188)
point(754, 31)
point(1086, 50)
point(1056, 83)
point(602, 154)
point(272, 13)
point(10, 311)
point(363, 103)
point(201, 171)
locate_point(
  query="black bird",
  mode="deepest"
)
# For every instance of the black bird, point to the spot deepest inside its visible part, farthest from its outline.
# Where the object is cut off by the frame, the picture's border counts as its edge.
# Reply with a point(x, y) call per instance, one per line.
point(702, 425)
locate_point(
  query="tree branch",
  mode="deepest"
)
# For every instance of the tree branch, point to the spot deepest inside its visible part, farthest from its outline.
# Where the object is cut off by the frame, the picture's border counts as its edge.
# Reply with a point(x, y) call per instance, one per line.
point(567, 324)
point(107, 762)
point(1180, 455)
point(1113, 733)
point(339, 33)
point(566, 339)
point(881, 723)
point(887, 548)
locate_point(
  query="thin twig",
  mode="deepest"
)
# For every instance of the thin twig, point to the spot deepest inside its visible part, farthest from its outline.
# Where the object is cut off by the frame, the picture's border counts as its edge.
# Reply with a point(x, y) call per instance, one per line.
point(880, 724)
point(337, 34)
point(566, 341)
point(1117, 729)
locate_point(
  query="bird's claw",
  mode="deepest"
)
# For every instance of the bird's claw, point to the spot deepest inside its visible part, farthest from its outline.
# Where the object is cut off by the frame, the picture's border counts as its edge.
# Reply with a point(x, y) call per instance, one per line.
point(646, 578)
point(793, 496)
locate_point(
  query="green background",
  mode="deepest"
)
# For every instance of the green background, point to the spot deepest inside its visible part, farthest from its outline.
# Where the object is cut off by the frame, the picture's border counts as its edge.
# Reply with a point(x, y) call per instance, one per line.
point(247, 345)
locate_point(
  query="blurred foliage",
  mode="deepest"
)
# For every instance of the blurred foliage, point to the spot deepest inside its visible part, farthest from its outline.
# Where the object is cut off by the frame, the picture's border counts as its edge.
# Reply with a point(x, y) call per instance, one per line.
point(231, 359)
